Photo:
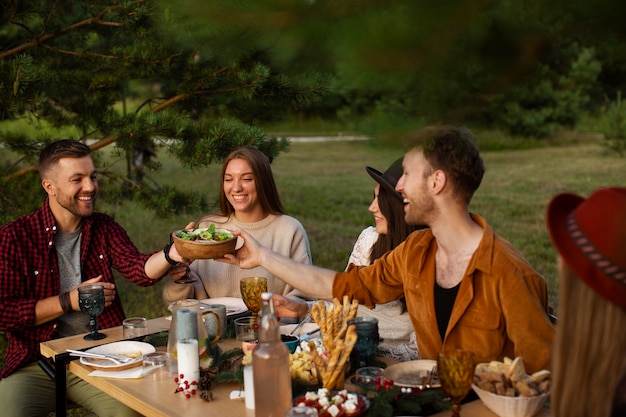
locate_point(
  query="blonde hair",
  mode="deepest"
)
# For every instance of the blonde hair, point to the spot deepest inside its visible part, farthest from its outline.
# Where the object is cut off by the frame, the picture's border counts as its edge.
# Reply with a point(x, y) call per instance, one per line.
point(589, 357)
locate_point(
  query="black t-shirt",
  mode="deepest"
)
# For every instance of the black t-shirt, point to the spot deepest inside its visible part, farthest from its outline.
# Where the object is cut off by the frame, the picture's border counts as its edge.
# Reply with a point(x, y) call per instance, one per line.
point(444, 301)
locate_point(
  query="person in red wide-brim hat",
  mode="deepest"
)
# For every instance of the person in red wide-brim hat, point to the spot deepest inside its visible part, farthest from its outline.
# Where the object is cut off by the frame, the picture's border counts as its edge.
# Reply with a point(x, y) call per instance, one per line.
point(589, 361)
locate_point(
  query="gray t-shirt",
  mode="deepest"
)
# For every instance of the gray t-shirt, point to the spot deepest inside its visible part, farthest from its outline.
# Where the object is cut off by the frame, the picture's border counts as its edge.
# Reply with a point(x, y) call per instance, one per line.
point(68, 256)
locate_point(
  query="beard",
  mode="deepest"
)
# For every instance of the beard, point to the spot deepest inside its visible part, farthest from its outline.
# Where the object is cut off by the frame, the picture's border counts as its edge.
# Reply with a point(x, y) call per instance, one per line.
point(420, 211)
point(77, 208)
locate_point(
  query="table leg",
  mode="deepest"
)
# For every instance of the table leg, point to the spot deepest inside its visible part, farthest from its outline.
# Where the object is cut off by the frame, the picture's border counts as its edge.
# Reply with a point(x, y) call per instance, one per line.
point(60, 382)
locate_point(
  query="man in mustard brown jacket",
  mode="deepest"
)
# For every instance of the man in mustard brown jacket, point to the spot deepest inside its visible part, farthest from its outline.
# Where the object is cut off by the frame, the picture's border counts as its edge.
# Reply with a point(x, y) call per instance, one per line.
point(465, 287)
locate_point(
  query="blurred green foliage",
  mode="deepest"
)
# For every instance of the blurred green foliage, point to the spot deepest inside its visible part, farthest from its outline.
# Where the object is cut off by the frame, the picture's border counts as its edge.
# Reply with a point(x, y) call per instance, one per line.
point(527, 67)
point(612, 124)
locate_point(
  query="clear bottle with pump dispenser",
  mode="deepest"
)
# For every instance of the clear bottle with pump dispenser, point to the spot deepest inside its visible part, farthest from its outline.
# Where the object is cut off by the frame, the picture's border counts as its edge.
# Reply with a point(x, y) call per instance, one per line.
point(270, 366)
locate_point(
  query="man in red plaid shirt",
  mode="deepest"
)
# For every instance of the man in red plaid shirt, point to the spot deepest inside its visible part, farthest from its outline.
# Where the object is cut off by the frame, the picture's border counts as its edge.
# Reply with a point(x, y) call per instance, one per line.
point(44, 257)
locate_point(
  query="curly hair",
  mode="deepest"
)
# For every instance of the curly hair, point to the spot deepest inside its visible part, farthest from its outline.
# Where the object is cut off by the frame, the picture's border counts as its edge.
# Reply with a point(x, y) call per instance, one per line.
point(452, 149)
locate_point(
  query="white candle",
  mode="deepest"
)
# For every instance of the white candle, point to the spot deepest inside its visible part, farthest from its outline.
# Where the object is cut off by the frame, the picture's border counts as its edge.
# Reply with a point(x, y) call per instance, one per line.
point(248, 386)
point(188, 360)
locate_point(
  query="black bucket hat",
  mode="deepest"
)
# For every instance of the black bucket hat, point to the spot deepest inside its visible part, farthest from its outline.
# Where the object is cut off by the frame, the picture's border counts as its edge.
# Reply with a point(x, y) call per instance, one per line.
point(389, 178)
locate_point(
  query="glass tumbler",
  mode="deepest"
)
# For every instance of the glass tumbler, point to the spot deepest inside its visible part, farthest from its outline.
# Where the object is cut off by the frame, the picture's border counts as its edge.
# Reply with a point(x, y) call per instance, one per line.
point(156, 366)
point(133, 327)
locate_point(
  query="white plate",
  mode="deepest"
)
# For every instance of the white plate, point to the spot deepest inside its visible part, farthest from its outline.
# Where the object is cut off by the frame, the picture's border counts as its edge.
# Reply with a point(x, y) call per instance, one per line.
point(411, 373)
point(234, 305)
point(118, 348)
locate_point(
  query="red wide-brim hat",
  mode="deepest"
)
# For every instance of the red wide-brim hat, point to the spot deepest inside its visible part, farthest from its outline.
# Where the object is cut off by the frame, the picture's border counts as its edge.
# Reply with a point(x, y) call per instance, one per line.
point(590, 236)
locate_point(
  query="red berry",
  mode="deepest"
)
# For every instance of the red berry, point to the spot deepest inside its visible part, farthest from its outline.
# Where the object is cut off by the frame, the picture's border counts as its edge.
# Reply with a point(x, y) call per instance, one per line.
point(187, 396)
point(193, 392)
point(181, 376)
point(175, 379)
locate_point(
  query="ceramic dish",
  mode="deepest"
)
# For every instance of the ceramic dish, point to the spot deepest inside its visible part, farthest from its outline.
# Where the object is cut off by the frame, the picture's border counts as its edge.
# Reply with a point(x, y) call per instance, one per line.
point(412, 374)
point(126, 348)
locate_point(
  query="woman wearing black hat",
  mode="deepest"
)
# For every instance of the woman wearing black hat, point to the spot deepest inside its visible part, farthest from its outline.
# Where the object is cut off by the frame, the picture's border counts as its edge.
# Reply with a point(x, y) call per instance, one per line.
point(390, 229)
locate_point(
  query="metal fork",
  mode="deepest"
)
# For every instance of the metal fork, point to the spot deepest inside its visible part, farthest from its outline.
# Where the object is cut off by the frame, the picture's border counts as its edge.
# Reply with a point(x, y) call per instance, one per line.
point(304, 320)
point(119, 360)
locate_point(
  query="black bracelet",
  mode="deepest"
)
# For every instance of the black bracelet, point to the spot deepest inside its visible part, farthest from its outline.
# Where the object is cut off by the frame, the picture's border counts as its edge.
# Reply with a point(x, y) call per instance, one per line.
point(166, 252)
point(66, 303)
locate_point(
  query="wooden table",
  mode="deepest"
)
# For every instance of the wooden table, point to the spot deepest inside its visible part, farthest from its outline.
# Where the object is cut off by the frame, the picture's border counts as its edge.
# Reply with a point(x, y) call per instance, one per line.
point(151, 398)
point(157, 398)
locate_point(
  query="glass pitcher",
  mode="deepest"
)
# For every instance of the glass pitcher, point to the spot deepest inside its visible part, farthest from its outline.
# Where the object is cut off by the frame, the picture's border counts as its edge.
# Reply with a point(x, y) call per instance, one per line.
point(197, 330)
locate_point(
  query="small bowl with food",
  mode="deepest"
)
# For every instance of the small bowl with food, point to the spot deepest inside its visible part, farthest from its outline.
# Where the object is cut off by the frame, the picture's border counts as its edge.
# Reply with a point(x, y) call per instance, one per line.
point(510, 406)
point(508, 391)
point(206, 243)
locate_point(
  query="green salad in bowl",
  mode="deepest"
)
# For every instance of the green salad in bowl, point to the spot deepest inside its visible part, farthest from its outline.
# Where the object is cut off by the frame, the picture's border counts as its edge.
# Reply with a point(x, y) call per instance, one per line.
point(206, 243)
point(210, 233)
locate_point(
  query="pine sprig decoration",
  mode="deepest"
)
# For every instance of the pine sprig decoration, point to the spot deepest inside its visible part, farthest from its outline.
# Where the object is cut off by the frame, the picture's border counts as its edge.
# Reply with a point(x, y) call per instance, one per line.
point(387, 399)
point(221, 370)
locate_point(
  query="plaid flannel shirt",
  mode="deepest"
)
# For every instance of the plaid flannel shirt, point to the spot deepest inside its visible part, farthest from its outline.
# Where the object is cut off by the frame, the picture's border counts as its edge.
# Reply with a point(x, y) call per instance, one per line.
point(29, 272)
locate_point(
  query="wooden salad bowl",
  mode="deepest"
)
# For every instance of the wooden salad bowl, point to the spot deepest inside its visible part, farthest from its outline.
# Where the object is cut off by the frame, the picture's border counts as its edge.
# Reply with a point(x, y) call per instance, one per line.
point(204, 249)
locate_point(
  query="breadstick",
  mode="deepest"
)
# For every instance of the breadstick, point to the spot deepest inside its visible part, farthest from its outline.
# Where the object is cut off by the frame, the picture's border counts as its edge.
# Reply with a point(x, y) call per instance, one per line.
point(315, 313)
point(338, 372)
point(332, 364)
point(346, 304)
point(337, 318)
point(322, 310)
point(354, 307)
point(322, 316)
point(328, 335)
point(318, 361)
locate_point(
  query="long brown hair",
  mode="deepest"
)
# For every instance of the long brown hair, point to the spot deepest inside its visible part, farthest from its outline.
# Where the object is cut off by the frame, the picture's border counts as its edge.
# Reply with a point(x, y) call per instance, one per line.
point(589, 358)
point(390, 205)
point(263, 180)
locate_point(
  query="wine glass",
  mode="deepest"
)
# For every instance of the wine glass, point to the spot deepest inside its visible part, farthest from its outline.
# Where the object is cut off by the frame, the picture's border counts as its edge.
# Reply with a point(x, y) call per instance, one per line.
point(185, 279)
point(456, 373)
point(91, 302)
point(251, 290)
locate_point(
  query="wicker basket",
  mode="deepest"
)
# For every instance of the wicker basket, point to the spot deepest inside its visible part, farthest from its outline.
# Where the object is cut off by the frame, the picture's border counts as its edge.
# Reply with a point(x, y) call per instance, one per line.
point(511, 406)
point(203, 249)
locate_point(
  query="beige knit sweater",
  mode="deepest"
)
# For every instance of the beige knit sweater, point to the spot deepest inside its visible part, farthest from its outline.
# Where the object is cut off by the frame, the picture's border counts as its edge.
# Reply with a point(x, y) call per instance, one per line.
point(281, 233)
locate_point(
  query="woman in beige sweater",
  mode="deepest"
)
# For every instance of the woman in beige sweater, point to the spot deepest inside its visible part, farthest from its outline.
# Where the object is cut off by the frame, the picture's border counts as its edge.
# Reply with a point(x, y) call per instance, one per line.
point(249, 201)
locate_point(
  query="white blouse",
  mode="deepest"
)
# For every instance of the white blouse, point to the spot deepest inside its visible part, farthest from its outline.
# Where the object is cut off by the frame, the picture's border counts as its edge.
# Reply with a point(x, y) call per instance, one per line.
point(394, 324)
